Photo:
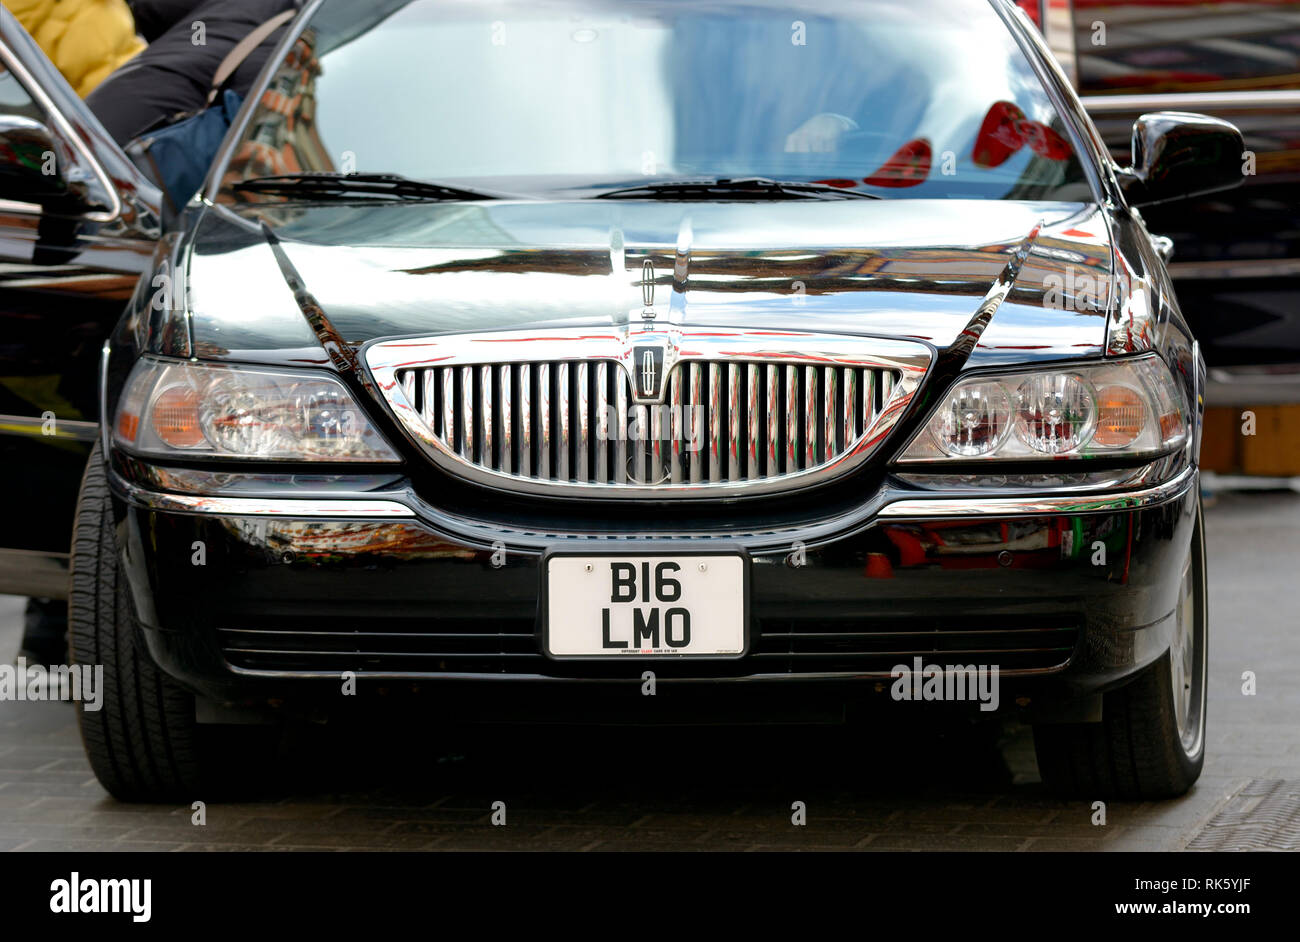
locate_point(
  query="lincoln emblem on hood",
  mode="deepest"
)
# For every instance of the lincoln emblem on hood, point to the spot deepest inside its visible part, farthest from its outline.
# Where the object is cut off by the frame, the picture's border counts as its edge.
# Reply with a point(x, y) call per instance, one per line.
point(648, 290)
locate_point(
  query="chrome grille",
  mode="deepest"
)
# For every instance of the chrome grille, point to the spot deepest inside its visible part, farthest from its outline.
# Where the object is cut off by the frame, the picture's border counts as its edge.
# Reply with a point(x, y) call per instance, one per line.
point(569, 422)
point(737, 411)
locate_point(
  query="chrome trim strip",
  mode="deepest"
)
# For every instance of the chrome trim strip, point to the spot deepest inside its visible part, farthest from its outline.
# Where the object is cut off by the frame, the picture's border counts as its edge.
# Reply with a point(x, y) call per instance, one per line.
point(951, 507)
point(263, 506)
point(1193, 101)
point(17, 206)
point(34, 426)
point(1017, 506)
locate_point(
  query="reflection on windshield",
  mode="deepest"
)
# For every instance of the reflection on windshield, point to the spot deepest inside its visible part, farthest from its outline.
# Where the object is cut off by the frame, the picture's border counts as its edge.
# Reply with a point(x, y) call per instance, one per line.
point(928, 99)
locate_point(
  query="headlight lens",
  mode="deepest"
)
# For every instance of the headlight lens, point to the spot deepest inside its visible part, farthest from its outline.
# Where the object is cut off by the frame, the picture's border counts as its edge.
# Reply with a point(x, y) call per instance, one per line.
point(174, 408)
point(1119, 408)
point(973, 421)
point(1055, 413)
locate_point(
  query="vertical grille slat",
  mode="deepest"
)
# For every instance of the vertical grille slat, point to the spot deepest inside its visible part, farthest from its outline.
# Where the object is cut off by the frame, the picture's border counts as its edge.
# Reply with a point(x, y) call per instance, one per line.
point(641, 463)
point(810, 416)
point(467, 417)
point(601, 448)
point(526, 420)
point(830, 395)
point(752, 449)
point(543, 420)
point(773, 419)
point(850, 405)
point(733, 421)
point(620, 442)
point(791, 419)
point(675, 427)
point(488, 421)
point(581, 469)
point(715, 422)
point(562, 403)
point(577, 421)
point(696, 422)
point(868, 406)
point(505, 381)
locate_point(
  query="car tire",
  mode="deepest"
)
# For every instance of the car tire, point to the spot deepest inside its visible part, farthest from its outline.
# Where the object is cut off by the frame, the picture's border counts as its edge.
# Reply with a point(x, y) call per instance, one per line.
point(1149, 744)
point(143, 743)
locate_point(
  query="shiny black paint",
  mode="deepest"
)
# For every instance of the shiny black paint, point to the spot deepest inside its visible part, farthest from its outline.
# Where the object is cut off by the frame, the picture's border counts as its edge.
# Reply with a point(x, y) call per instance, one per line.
point(1178, 155)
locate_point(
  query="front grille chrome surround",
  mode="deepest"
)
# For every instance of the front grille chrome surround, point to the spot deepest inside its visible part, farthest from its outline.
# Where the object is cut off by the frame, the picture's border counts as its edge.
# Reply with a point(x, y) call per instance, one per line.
point(733, 412)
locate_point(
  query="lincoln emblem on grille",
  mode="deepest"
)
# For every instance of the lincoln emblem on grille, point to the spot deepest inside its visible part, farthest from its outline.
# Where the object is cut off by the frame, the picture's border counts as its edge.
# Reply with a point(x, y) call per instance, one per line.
point(647, 372)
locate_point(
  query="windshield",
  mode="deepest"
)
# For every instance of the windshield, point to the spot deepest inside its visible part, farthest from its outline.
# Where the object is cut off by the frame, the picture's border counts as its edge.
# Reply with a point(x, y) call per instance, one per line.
point(923, 99)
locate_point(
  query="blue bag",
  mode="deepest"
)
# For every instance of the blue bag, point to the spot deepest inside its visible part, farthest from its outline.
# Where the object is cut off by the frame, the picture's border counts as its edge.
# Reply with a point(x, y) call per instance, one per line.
point(178, 155)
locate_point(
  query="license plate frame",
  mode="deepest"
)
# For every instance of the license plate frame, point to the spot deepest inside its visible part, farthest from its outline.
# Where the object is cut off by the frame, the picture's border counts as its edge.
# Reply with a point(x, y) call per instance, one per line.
point(656, 553)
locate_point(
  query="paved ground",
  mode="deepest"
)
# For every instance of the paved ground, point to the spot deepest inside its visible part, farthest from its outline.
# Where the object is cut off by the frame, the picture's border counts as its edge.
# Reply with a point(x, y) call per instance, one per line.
point(708, 788)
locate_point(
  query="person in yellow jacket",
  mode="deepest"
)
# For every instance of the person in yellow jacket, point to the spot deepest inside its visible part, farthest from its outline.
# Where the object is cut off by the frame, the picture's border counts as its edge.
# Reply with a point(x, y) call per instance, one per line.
point(85, 39)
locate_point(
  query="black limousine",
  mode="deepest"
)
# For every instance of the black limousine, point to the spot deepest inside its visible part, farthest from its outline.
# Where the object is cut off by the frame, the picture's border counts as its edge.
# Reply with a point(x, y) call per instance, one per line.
point(753, 352)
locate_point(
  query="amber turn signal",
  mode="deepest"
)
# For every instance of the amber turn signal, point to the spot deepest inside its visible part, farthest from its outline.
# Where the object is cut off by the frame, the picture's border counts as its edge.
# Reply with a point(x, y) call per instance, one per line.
point(175, 417)
point(1121, 416)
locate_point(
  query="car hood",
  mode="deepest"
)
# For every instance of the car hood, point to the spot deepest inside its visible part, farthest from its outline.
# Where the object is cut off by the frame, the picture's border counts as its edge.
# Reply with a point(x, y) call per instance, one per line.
point(267, 282)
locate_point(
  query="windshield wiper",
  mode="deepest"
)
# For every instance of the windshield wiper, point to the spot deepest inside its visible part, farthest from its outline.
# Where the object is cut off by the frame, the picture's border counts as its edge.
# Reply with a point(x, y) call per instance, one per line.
point(391, 186)
point(723, 188)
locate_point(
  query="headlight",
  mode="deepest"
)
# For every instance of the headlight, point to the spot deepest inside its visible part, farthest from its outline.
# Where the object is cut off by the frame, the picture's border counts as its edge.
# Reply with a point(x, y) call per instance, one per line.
point(1121, 408)
point(191, 409)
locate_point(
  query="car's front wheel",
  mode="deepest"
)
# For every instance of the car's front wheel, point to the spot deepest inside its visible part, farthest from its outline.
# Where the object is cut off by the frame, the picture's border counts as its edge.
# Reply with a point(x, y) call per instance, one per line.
point(1151, 740)
point(143, 743)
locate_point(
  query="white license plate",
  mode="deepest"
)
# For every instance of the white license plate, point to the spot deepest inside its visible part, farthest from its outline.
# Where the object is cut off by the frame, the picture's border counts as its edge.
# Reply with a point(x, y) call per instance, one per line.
point(671, 605)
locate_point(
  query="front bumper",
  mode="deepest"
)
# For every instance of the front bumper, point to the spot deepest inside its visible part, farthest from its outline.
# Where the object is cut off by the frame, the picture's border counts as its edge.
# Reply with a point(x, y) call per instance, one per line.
point(249, 599)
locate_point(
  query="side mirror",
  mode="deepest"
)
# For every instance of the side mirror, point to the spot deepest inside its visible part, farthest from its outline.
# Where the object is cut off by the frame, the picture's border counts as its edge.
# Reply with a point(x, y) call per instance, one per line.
point(1177, 155)
point(30, 169)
